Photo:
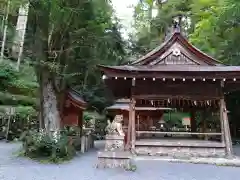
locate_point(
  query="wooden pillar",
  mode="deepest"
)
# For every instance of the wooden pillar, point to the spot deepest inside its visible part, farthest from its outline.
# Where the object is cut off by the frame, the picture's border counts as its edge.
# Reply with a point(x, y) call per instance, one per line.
point(193, 121)
point(148, 123)
point(226, 129)
point(138, 123)
point(221, 122)
point(204, 120)
point(128, 144)
point(80, 122)
point(133, 123)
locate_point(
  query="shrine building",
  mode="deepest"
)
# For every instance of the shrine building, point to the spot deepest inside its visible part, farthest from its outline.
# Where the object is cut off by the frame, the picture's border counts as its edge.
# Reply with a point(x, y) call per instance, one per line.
point(175, 75)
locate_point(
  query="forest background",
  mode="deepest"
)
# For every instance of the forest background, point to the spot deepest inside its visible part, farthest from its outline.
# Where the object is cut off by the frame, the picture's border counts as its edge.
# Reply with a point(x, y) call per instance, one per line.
point(64, 40)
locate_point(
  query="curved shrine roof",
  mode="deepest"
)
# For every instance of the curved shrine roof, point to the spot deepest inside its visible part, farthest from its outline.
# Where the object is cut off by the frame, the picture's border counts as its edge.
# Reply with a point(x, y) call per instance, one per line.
point(174, 59)
point(174, 55)
point(178, 46)
point(76, 98)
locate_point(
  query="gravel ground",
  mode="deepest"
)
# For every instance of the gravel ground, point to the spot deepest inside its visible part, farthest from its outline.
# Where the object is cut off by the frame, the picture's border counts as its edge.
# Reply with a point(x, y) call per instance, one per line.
point(82, 168)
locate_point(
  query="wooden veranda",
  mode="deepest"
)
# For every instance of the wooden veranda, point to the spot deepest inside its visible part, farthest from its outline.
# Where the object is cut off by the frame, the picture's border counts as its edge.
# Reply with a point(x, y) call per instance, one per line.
point(176, 75)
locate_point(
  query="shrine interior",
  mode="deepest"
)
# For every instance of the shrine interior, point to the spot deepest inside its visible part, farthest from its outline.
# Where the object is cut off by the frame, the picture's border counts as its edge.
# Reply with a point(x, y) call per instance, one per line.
point(173, 120)
point(178, 124)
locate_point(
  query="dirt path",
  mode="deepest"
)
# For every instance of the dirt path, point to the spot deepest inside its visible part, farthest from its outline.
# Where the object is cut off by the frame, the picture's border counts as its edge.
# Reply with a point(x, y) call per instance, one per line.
point(82, 168)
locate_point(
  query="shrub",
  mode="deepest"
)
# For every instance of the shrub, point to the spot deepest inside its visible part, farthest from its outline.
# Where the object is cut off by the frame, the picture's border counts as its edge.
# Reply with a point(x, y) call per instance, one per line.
point(40, 146)
point(71, 130)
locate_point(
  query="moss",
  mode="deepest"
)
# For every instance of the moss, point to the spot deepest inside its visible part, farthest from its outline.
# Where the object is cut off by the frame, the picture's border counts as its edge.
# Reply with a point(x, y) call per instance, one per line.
point(131, 167)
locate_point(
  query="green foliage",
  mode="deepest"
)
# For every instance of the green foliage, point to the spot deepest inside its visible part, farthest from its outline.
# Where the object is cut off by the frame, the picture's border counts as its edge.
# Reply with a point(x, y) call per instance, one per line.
point(88, 115)
point(85, 34)
point(18, 94)
point(40, 146)
point(8, 75)
point(7, 98)
point(71, 130)
point(26, 81)
point(23, 82)
point(205, 17)
point(100, 122)
point(131, 167)
point(150, 31)
point(101, 43)
point(20, 111)
point(173, 118)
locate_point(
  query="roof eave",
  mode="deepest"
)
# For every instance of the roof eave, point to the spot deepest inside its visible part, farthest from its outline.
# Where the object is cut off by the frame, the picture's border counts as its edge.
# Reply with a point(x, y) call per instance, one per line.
point(81, 103)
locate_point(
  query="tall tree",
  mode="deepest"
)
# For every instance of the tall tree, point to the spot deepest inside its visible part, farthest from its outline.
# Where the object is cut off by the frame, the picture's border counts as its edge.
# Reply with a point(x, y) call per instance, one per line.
point(149, 37)
point(66, 40)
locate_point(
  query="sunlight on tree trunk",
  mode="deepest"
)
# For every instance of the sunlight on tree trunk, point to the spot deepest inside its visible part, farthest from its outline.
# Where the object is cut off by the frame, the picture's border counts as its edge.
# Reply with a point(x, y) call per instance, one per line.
point(18, 42)
point(5, 25)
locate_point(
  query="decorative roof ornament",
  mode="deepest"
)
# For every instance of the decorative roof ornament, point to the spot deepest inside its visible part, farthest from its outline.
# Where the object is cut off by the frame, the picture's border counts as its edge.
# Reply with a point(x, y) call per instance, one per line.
point(175, 27)
point(176, 52)
point(177, 24)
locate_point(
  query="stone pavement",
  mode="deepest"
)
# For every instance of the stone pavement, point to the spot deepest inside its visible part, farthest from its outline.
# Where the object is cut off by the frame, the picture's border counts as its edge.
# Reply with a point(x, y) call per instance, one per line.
point(82, 168)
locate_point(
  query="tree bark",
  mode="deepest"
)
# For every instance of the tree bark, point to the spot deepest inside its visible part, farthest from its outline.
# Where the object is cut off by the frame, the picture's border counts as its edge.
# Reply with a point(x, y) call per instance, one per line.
point(51, 80)
point(50, 111)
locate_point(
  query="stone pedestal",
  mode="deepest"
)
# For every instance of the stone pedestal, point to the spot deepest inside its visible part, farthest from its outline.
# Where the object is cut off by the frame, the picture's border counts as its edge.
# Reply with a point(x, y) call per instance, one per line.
point(114, 143)
point(111, 159)
point(114, 155)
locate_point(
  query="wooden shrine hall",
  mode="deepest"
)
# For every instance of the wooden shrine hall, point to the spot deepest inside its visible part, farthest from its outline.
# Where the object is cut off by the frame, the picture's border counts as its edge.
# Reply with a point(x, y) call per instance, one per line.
point(73, 109)
point(176, 75)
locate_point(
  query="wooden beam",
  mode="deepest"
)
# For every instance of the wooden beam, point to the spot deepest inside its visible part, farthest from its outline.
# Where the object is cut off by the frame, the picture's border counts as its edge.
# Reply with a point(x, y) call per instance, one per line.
point(188, 75)
point(182, 96)
point(177, 143)
point(177, 133)
point(227, 134)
